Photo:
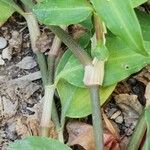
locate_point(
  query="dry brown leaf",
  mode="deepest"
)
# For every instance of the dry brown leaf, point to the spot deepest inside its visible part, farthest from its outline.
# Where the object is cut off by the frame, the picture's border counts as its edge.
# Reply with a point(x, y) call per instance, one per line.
point(82, 134)
point(111, 126)
point(130, 100)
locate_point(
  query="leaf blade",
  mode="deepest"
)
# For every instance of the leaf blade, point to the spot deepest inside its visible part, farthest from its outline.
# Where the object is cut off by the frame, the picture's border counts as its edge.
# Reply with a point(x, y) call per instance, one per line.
point(80, 102)
point(38, 143)
point(119, 17)
point(62, 12)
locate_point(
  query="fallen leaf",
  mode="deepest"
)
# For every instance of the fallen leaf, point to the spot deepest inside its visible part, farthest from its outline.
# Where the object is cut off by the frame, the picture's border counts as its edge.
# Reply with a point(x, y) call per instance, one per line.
point(9, 108)
point(30, 77)
point(27, 63)
point(111, 126)
point(82, 134)
point(130, 100)
point(110, 142)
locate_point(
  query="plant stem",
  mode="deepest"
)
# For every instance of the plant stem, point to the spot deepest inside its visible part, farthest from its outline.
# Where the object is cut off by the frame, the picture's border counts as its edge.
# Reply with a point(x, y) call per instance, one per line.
point(85, 60)
point(74, 47)
point(138, 134)
point(98, 28)
point(43, 67)
point(47, 107)
point(96, 117)
point(34, 35)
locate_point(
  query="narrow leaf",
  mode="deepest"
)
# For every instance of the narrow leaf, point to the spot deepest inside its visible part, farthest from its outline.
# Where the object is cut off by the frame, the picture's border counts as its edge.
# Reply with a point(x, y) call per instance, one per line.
point(120, 18)
point(62, 12)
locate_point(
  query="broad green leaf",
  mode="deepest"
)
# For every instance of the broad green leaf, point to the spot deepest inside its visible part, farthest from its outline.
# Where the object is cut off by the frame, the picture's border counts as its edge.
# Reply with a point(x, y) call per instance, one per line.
point(136, 3)
point(122, 62)
point(120, 18)
point(144, 20)
point(6, 11)
point(38, 143)
point(13, 5)
point(76, 101)
point(64, 12)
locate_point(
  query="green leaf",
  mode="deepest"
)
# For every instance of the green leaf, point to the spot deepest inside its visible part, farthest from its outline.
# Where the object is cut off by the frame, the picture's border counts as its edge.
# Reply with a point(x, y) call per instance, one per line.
point(6, 11)
point(122, 62)
point(144, 20)
point(120, 18)
point(76, 101)
point(136, 3)
point(38, 143)
point(12, 5)
point(64, 12)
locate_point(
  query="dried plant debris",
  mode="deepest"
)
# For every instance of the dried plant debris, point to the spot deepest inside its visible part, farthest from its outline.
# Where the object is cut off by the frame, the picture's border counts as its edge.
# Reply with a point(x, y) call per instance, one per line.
point(79, 131)
point(27, 63)
point(15, 43)
point(44, 42)
point(130, 100)
point(81, 134)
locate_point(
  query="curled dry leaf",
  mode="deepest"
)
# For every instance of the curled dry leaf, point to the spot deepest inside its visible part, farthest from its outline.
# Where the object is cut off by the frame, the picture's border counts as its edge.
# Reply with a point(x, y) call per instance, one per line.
point(82, 134)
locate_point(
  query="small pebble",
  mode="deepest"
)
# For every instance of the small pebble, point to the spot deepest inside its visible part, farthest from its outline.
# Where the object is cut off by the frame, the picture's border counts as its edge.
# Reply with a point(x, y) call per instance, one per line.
point(115, 115)
point(7, 53)
point(119, 119)
point(111, 112)
point(3, 43)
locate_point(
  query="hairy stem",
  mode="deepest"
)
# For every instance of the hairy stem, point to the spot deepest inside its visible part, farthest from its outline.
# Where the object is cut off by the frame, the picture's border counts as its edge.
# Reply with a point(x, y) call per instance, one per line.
point(96, 117)
point(74, 47)
point(47, 107)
